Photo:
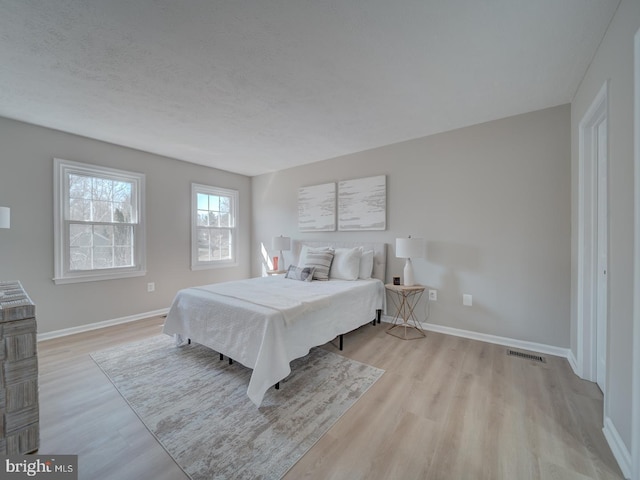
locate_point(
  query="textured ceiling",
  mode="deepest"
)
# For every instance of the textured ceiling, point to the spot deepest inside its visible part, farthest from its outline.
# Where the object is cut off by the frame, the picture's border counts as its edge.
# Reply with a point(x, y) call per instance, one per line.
point(255, 86)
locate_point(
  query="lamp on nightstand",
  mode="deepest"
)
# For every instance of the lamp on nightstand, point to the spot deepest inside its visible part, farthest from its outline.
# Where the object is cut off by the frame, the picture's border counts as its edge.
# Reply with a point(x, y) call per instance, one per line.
point(280, 243)
point(409, 248)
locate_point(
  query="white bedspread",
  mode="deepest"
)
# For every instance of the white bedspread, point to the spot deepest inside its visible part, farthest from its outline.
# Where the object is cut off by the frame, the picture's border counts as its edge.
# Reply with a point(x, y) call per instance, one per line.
point(265, 323)
point(290, 298)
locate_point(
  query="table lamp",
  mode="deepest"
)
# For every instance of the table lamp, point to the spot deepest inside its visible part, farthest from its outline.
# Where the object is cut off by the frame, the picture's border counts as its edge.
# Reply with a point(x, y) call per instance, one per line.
point(409, 248)
point(280, 243)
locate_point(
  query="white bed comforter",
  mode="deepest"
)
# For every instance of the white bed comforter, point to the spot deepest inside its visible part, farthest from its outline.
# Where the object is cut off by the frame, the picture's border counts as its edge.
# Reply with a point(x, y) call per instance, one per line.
point(291, 298)
point(265, 323)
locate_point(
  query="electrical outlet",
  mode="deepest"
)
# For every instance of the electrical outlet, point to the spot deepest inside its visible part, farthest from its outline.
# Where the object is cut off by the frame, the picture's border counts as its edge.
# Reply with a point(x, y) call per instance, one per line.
point(433, 295)
point(467, 300)
point(151, 287)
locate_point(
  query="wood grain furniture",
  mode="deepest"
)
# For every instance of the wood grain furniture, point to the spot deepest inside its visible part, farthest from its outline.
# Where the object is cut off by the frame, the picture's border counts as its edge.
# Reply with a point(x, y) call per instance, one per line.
point(405, 298)
point(19, 422)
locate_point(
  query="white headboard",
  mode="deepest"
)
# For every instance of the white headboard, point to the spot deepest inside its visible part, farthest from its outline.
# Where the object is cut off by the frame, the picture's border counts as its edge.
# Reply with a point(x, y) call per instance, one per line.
point(379, 252)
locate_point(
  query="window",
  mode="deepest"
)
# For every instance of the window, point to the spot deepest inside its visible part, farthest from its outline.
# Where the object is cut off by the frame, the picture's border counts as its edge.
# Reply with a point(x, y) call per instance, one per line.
point(213, 226)
point(99, 229)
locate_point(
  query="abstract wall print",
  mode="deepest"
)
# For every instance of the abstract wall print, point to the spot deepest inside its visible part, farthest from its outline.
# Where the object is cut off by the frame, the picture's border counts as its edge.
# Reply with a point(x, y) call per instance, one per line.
point(362, 204)
point(317, 208)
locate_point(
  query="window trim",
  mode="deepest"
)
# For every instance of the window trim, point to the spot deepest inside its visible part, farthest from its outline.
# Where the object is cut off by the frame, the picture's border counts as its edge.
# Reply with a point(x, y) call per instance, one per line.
point(62, 274)
point(211, 190)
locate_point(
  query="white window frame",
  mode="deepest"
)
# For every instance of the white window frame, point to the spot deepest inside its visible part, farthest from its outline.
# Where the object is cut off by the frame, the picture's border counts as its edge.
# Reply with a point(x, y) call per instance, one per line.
point(196, 264)
point(62, 272)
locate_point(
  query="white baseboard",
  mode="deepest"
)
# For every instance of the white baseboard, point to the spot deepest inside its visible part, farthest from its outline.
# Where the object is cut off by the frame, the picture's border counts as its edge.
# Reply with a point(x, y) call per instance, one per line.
point(94, 326)
point(485, 337)
point(574, 364)
point(617, 446)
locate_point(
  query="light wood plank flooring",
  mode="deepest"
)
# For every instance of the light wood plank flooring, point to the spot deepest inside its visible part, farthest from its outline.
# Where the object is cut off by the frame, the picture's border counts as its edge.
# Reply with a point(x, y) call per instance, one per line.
point(446, 408)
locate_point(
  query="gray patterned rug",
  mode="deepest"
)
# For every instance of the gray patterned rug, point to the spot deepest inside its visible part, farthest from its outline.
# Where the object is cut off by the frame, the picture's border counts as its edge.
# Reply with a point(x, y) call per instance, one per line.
point(198, 409)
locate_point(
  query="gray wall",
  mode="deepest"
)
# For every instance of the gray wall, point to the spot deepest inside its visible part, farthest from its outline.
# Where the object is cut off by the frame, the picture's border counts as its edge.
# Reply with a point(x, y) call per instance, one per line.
point(613, 61)
point(26, 250)
point(493, 202)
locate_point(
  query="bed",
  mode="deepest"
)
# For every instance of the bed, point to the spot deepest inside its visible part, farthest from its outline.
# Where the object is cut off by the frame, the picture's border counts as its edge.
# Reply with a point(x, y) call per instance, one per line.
point(264, 323)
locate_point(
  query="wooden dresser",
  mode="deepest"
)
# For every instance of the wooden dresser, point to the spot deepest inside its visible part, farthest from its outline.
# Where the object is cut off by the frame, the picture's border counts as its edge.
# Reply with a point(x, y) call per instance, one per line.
point(19, 427)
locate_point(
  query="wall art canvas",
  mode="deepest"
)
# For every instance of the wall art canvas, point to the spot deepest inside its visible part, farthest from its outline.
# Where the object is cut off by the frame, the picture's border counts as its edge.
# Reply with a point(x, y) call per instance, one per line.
point(362, 204)
point(317, 208)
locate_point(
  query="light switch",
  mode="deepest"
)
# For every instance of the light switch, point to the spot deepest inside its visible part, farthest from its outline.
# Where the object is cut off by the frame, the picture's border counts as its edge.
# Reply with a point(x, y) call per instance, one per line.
point(467, 300)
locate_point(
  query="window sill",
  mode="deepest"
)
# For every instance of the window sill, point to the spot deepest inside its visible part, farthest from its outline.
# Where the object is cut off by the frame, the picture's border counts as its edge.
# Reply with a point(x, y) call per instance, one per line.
point(212, 266)
point(98, 277)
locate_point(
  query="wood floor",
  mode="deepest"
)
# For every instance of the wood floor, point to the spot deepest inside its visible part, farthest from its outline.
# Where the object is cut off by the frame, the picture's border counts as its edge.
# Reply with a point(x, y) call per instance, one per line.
point(446, 408)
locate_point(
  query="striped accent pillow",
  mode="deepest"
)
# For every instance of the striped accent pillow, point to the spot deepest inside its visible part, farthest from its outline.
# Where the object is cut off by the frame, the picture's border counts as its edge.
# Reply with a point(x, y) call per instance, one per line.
point(318, 258)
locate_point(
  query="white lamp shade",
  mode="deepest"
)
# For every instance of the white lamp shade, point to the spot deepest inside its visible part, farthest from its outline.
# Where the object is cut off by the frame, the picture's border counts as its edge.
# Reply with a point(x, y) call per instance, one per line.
point(5, 217)
point(281, 243)
point(410, 247)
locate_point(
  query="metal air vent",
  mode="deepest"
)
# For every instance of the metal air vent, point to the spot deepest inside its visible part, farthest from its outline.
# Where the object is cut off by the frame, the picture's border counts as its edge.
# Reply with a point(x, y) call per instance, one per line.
point(527, 356)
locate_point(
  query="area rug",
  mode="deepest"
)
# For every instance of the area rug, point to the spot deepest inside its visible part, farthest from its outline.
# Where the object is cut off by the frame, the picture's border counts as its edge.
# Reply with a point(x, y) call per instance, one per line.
point(197, 406)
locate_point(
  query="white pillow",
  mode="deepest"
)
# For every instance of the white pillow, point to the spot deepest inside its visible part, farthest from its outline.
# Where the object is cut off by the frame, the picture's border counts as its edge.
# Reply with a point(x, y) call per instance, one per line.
point(318, 258)
point(366, 265)
point(346, 264)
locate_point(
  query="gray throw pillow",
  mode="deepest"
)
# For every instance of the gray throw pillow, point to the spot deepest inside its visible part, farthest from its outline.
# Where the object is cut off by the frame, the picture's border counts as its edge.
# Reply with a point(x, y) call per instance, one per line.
point(297, 273)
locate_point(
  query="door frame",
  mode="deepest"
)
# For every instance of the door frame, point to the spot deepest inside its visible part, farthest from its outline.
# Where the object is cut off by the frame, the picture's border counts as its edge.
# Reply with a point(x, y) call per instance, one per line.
point(602, 251)
point(587, 287)
point(635, 400)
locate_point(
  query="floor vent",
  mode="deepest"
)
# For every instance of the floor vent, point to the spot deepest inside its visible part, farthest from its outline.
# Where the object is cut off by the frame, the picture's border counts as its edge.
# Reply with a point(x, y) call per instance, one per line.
point(527, 356)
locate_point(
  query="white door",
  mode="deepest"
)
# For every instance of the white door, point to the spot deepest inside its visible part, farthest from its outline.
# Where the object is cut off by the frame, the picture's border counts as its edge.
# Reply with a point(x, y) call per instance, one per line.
point(602, 257)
